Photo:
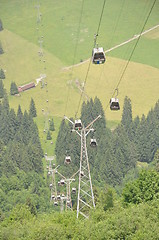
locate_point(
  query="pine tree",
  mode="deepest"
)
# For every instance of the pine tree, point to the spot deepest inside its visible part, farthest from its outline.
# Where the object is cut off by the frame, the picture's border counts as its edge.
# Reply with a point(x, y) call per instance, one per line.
point(2, 75)
point(13, 124)
point(19, 116)
point(1, 49)
point(32, 110)
point(1, 25)
point(127, 114)
point(51, 127)
point(1, 89)
point(13, 88)
point(48, 137)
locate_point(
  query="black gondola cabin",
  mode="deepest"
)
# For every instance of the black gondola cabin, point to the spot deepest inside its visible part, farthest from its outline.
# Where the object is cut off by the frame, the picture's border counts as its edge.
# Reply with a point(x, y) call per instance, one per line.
point(98, 55)
point(93, 142)
point(114, 104)
point(68, 160)
point(78, 124)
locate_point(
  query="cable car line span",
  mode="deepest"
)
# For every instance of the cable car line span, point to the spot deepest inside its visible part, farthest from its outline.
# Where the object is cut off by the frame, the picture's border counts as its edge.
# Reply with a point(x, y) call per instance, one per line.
point(136, 36)
point(132, 52)
point(95, 39)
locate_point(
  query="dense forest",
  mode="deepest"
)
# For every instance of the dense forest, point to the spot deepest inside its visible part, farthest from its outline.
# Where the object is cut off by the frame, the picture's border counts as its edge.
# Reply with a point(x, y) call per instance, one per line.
point(132, 212)
point(21, 166)
point(118, 151)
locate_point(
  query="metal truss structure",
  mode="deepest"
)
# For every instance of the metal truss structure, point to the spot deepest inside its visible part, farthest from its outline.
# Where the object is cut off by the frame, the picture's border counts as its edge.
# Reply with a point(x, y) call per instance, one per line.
point(85, 200)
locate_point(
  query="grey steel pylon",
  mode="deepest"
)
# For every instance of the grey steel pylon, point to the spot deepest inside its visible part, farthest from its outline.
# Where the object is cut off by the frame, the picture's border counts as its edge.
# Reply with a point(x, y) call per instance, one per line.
point(85, 200)
point(68, 182)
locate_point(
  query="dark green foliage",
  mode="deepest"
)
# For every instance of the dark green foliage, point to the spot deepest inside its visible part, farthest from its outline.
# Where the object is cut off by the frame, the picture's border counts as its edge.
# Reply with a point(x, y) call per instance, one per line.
point(32, 109)
point(105, 200)
point(2, 75)
point(19, 115)
point(1, 49)
point(145, 188)
point(13, 88)
point(156, 160)
point(48, 137)
point(2, 92)
point(138, 222)
point(1, 25)
point(127, 113)
point(115, 154)
point(21, 167)
point(147, 135)
point(67, 143)
point(126, 120)
point(51, 127)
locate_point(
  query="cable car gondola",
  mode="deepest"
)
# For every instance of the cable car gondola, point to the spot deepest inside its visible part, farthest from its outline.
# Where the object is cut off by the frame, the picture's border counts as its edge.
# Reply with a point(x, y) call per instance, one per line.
point(67, 159)
point(58, 197)
point(98, 55)
point(78, 124)
point(74, 190)
point(53, 197)
point(82, 174)
point(62, 182)
point(55, 203)
point(114, 104)
point(93, 142)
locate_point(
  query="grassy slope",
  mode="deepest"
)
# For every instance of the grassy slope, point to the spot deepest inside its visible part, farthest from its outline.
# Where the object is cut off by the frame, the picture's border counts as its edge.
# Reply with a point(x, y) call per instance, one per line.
point(121, 20)
point(21, 61)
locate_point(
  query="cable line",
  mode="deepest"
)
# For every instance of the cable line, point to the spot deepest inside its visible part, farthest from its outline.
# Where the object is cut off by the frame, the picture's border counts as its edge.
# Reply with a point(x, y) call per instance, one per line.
point(133, 50)
point(95, 40)
point(99, 22)
point(75, 51)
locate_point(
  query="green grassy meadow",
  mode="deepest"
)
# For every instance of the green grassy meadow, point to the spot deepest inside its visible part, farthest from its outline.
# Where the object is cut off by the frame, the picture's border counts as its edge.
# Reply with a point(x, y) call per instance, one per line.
point(61, 32)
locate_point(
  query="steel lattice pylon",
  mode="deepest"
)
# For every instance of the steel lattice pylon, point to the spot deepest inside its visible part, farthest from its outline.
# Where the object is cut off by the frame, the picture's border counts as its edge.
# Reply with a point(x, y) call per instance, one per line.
point(85, 199)
point(68, 182)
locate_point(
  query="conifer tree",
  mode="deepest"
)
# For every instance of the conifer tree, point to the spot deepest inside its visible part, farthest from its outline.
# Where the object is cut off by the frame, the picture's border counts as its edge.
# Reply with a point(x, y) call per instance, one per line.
point(2, 75)
point(2, 92)
point(19, 115)
point(13, 124)
point(156, 160)
point(127, 114)
point(5, 104)
point(51, 127)
point(32, 110)
point(13, 88)
point(1, 25)
point(48, 137)
point(1, 49)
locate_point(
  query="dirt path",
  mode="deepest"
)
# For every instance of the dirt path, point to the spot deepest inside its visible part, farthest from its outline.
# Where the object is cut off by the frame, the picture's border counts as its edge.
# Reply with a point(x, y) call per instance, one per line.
point(117, 46)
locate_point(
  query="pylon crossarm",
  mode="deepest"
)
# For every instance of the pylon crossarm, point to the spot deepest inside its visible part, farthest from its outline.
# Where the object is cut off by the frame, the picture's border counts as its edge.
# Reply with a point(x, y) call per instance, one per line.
point(75, 174)
point(70, 180)
point(68, 120)
point(99, 116)
point(88, 132)
point(73, 130)
point(61, 175)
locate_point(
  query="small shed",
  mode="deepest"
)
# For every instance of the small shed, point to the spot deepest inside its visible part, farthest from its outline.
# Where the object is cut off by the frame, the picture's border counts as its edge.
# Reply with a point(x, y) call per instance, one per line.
point(26, 87)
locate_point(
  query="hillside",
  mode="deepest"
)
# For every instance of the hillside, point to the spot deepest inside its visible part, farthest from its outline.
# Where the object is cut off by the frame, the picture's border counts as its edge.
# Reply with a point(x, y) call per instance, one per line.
point(93, 174)
point(120, 22)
